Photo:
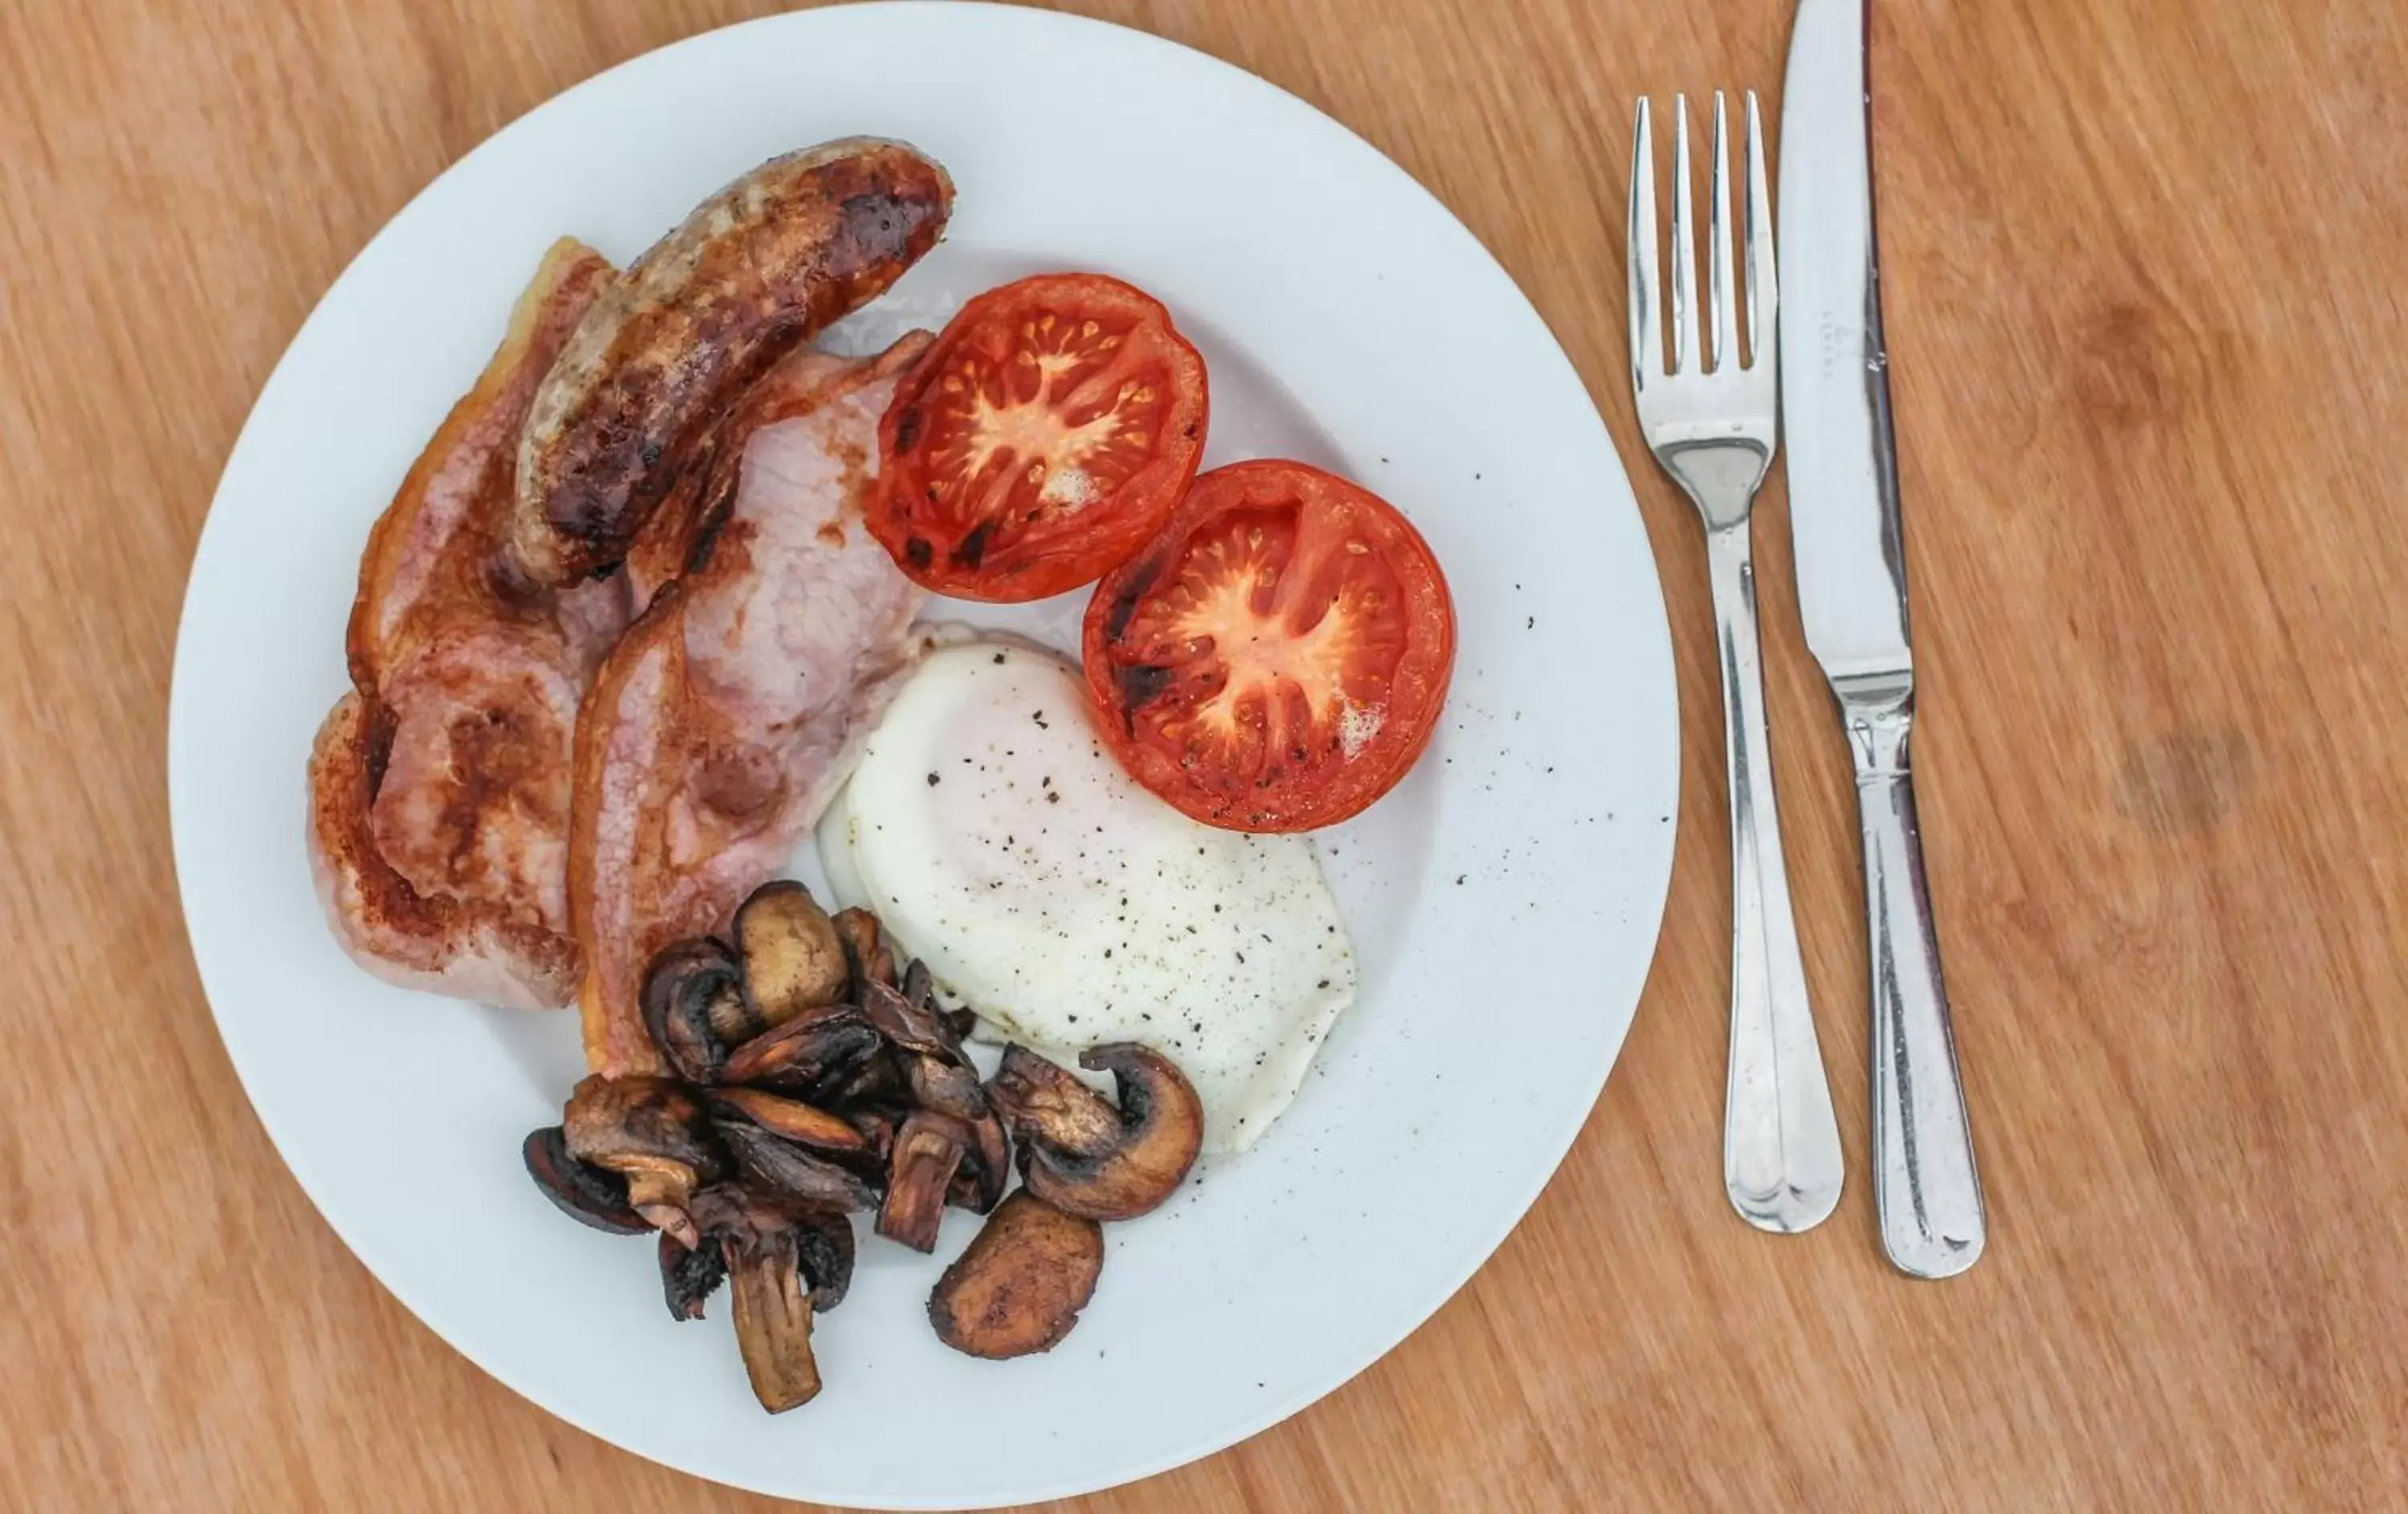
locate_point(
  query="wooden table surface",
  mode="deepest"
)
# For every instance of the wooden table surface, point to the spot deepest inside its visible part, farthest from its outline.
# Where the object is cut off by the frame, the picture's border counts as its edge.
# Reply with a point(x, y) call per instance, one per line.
point(2146, 316)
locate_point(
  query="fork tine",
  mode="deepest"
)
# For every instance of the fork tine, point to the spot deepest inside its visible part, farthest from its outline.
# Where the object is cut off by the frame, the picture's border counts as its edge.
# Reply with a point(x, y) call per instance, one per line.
point(1724, 308)
point(1684, 246)
point(1763, 283)
point(1646, 327)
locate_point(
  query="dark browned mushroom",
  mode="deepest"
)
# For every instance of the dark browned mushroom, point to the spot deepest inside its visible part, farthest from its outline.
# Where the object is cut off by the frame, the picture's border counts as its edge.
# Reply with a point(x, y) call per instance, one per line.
point(919, 985)
point(877, 1124)
point(937, 1070)
point(1043, 1101)
point(763, 1244)
point(948, 1087)
point(781, 1169)
point(592, 1195)
point(877, 1080)
point(912, 1024)
point(646, 1129)
point(865, 948)
point(695, 1006)
point(927, 1150)
point(985, 1169)
point(794, 960)
point(792, 1120)
point(805, 1056)
point(1158, 1131)
point(823, 1243)
point(690, 1274)
point(1020, 1285)
point(773, 1321)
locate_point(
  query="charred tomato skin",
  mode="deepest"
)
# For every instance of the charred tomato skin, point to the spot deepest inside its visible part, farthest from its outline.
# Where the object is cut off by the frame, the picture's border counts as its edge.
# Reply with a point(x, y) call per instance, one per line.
point(1276, 657)
point(1052, 429)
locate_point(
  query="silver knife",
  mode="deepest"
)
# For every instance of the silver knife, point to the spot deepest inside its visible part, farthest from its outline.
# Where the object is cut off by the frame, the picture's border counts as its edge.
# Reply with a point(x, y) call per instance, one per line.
point(1852, 596)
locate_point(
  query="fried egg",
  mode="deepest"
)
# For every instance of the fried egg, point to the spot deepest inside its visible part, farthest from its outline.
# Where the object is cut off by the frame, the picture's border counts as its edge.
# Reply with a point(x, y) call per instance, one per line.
point(993, 834)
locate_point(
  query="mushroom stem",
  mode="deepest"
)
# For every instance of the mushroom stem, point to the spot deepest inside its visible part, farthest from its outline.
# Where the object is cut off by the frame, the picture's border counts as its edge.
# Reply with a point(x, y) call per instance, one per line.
point(661, 1196)
point(927, 1150)
point(773, 1319)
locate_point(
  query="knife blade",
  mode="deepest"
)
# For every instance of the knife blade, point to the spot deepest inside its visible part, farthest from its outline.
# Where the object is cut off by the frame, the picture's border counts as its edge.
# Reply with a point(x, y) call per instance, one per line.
point(1851, 565)
point(1835, 373)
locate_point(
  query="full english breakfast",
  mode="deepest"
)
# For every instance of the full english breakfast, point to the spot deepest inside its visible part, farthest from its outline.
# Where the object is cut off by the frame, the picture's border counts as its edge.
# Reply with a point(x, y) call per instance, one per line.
point(653, 607)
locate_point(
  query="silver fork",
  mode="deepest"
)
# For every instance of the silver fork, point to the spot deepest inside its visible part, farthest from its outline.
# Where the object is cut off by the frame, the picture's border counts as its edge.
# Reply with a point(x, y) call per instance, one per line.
point(1714, 428)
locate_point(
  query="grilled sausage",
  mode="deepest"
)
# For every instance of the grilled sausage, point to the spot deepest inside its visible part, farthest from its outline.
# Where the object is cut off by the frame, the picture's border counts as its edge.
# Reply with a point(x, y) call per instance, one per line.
point(758, 269)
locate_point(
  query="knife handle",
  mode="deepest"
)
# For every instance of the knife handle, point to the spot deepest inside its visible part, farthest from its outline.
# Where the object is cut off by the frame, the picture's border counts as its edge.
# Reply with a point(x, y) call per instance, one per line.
point(1925, 1184)
point(1781, 1140)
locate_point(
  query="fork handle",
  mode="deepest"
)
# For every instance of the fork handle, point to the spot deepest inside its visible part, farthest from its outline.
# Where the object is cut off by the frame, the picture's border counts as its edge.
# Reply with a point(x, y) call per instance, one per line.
point(1925, 1184)
point(1781, 1140)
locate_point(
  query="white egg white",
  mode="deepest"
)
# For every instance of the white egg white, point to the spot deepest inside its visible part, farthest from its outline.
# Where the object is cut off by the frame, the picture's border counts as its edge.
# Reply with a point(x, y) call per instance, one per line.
point(999, 842)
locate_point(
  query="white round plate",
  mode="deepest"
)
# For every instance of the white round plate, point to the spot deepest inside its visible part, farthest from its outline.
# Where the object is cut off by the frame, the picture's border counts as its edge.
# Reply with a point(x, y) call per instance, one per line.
point(1504, 901)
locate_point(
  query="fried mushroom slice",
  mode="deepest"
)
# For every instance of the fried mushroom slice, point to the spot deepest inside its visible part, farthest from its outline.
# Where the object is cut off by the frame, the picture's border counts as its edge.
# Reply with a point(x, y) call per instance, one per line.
point(805, 1054)
point(794, 960)
point(765, 1248)
point(877, 1078)
point(865, 948)
point(823, 1243)
point(792, 1119)
point(1020, 1286)
point(696, 1008)
point(1159, 1130)
point(877, 1124)
point(1042, 1100)
point(781, 1171)
point(949, 1087)
point(919, 985)
point(928, 1149)
point(647, 1129)
point(985, 1169)
point(773, 1322)
point(591, 1195)
point(690, 1275)
point(911, 1022)
point(939, 1072)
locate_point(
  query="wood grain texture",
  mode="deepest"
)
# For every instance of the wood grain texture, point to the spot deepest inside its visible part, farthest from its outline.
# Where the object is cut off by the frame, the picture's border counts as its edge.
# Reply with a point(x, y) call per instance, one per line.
point(2146, 322)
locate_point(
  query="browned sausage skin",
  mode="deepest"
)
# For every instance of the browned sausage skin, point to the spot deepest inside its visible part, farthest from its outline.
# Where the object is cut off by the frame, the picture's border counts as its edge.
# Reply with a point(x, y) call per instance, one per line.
point(758, 269)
